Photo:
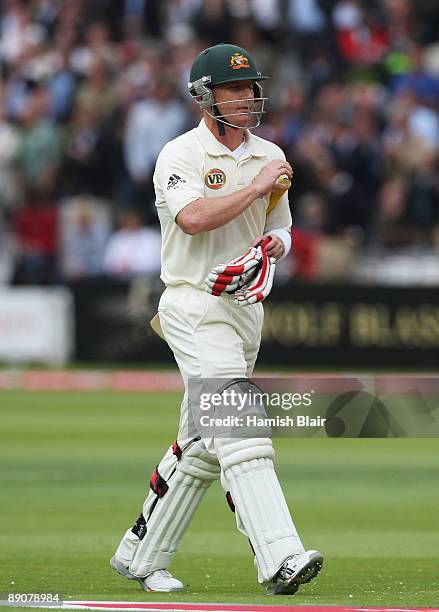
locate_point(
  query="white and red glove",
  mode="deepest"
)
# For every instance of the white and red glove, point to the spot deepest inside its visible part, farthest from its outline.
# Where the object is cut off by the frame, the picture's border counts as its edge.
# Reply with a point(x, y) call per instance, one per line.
point(259, 288)
point(237, 276)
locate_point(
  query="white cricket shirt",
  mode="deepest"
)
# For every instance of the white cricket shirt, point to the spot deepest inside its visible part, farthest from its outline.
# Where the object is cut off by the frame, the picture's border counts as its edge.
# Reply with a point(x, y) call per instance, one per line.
point(196, 165)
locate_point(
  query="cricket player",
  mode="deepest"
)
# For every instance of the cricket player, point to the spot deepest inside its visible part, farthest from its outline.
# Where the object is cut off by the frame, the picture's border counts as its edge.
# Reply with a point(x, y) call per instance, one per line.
point(225, 220)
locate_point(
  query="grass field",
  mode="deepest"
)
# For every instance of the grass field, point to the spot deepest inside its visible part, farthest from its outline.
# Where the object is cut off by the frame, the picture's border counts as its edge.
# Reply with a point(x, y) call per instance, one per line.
point(74, 470)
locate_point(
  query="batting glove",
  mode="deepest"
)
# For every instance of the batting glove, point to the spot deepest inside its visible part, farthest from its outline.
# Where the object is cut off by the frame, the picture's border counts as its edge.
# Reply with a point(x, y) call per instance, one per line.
point(259, 288)
point(235, 274)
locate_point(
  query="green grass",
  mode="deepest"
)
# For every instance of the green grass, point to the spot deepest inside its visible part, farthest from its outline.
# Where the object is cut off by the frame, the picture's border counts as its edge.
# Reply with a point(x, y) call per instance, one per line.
point(74, 470)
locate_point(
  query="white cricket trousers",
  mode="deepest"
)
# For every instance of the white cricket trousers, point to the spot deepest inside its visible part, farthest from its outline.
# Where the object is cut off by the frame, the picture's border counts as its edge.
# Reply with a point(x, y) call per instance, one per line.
point(211, 337)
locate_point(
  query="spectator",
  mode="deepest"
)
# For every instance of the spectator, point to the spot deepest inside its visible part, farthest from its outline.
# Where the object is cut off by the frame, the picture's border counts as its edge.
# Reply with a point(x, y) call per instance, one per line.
point(391, 229)
point(36, 233)
point(96, 49)
point(181, 11)
point(95, 91)
point(417, 79)
point(268, 18)
point(213, 22)
point(62, 86)
point(151, 123)
point(17, 31)
point(80, 170)
point(356, 150)
point(133, 250)
point(403, 148)
point(401, 24)
point(362, 36)
point(316, 166)
point(294, 110)
point(42, 145)
point(310, 222)
point(306, 16)
point(10, 144)
point(85, 226)
point(307, 22)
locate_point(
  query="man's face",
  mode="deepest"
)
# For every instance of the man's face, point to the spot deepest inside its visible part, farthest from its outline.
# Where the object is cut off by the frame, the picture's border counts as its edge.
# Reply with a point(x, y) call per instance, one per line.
point(236, 99)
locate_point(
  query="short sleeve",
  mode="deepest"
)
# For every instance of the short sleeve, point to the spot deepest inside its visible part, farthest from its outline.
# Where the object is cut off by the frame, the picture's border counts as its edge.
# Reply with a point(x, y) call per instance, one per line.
point(178, 178)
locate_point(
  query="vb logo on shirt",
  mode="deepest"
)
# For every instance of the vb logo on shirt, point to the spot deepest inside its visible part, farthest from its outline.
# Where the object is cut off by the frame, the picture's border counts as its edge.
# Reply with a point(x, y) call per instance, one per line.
point(215, 178)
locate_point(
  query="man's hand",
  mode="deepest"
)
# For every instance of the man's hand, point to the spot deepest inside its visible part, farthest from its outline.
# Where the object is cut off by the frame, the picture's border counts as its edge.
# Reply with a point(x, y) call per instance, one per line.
point(265, 181)
point(275, 248)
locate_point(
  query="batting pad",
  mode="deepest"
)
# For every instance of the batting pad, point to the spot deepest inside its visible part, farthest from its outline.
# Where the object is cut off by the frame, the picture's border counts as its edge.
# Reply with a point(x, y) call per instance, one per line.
point(173, 510)
point(262, 513)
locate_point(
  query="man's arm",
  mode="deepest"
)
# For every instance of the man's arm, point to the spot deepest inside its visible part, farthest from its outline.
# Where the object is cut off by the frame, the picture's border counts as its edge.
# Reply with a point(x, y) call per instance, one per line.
point(278, 227)
point(205, 214)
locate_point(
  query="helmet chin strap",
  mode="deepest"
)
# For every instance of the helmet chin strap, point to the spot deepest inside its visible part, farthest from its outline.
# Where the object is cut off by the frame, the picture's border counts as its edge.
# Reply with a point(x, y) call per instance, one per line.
point(220, 124)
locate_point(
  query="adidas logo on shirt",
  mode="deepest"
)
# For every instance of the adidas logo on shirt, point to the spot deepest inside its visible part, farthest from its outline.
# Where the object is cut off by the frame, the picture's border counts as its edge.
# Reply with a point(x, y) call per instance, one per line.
point(174, 179)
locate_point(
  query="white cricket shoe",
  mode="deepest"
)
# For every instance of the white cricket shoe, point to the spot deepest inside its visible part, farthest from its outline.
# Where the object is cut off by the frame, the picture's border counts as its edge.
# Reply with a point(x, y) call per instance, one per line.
point(296, 570)
point(160, 580)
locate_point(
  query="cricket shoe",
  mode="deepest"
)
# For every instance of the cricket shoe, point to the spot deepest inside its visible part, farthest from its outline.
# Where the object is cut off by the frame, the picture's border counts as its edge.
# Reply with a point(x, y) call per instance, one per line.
point(160, 580)
point(296, 570)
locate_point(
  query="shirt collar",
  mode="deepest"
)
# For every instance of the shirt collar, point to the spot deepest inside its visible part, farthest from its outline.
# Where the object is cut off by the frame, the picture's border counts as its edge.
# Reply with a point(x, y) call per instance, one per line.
point(215, 148)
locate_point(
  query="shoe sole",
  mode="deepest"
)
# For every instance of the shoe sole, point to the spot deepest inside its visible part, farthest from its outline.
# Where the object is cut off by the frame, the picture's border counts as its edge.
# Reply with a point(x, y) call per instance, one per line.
point(148, 590)
point(306, 574)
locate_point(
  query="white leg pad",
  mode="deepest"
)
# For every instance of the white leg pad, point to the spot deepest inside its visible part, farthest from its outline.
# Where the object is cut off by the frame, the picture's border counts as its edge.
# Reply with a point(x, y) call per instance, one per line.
point(261, 509)
point(172, 512)
point(127, 547)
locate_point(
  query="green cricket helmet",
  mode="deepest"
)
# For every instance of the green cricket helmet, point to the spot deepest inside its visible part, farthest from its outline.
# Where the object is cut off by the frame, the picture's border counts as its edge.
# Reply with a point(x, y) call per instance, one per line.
point(222, 64)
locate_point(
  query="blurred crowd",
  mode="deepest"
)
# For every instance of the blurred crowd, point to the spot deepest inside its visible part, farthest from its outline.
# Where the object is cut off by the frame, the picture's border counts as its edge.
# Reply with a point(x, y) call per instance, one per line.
point(90, 91)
